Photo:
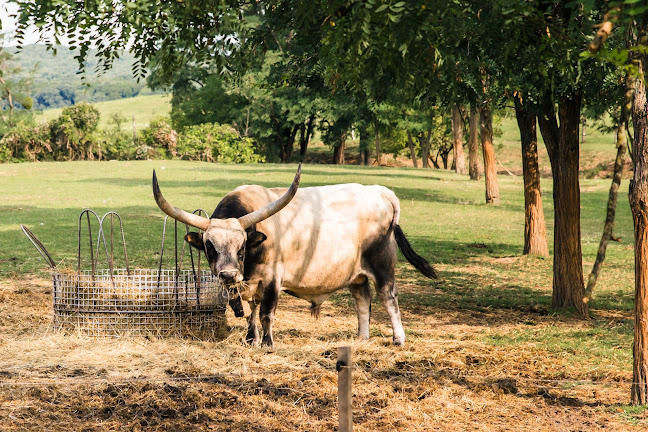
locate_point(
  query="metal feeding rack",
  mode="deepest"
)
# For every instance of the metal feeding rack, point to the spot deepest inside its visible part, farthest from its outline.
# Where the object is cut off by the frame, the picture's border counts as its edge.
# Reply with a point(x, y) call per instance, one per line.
point(124, 301)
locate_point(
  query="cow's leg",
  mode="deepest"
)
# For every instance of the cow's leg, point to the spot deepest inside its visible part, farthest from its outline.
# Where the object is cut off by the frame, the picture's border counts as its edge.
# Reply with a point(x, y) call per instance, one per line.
point(388, 294)
point(362, 297)
point(252, 336)
point(381, 260)
point(267, 311)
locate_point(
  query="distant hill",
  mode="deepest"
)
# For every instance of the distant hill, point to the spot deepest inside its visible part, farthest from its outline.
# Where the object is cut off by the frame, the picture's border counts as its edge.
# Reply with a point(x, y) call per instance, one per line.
point(57, 83)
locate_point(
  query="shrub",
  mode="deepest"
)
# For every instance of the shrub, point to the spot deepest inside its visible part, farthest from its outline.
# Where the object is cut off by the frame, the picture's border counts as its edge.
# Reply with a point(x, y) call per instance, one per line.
point(26, 141)
point(216, 143)
point(73, 133)
point(117, 144)
point(160, 137)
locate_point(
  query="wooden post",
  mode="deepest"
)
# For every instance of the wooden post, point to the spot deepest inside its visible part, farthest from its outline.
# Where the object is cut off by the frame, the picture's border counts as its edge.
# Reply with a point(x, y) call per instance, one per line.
point(345, 408)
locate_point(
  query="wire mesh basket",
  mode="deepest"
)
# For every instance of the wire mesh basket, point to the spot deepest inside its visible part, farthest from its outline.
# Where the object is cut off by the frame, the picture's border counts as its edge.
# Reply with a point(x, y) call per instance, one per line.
point(124, 301)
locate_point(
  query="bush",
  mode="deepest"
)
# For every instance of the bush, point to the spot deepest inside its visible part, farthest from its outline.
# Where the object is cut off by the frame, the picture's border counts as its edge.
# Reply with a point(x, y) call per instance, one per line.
point(26, 141)
point(115, 143)
point(73, 133)
point(160, 137)
point(216, 143)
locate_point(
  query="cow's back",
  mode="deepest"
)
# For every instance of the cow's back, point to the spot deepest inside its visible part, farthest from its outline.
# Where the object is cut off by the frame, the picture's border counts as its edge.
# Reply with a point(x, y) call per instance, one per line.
point(317, 241)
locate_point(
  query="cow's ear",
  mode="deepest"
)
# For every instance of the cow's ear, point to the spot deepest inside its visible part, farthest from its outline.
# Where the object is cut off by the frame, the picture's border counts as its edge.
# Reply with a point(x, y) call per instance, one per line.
point(255, 238)
point(195, 240)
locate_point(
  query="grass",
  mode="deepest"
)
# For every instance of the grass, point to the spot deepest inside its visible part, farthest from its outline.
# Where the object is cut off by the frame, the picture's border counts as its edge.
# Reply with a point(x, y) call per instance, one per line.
point(142, 108)
point(485, 350)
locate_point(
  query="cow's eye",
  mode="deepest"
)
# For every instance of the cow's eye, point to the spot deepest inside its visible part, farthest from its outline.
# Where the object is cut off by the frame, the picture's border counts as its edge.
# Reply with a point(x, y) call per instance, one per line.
point(212, 255)
point(241, 254)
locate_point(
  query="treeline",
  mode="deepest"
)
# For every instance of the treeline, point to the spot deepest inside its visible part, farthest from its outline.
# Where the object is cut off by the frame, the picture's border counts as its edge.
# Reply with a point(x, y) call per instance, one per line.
point(75, 135)
point(282, 106)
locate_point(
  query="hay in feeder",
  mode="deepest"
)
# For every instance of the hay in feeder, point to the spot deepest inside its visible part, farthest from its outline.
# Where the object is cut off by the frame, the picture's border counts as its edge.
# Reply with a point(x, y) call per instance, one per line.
point(140, 301)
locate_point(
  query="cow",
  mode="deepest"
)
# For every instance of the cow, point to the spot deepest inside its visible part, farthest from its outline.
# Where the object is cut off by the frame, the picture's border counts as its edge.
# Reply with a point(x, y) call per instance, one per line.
point(308, 242)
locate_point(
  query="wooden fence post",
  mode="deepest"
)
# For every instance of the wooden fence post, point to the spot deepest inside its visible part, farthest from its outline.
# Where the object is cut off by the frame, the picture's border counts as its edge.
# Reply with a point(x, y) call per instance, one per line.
point(345, 408)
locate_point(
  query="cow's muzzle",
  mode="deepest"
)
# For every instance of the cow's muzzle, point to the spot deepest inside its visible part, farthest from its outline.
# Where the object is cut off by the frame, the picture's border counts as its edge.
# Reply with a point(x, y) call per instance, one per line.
point(229, 277)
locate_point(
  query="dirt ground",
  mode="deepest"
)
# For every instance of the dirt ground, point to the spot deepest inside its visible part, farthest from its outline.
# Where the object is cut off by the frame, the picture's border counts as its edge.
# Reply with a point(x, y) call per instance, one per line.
point(445, 378)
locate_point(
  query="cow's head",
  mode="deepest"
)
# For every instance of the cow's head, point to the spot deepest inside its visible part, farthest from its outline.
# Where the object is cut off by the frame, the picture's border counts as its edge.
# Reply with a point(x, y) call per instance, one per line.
point(224, 240)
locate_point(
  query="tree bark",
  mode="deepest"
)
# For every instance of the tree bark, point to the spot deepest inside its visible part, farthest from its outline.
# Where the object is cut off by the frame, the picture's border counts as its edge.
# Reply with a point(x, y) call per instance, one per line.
point(410, 142)
point(306, 133)
point(490, 171)
point(473, 144)
point(424, 141)
point(562, 145)
point(338, 152)
point(457, 138)
point(638, 197)
point(285, 140)
point(378, 155)
point(535, 229)
point(621, 144)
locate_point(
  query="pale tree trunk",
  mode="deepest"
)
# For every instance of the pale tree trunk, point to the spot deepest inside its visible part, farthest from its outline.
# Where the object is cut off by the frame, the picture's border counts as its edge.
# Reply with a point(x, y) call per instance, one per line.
point(638, 196)
point(535, 229)
point(562, 145)
point(410, 142)
point(473, 144)
point(621, 144)
point(490, 171)
point(457, 138)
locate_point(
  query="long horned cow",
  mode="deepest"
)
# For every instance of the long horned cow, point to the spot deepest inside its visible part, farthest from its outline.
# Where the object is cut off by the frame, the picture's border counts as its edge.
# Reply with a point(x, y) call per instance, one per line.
point(309, 243)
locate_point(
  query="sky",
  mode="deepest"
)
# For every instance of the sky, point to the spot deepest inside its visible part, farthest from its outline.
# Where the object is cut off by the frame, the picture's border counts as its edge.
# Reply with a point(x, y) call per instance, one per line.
point(9, 25)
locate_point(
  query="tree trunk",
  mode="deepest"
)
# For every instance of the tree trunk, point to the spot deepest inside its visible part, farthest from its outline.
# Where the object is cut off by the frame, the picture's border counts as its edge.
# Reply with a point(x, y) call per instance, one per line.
point(445, 155)
point(562, 145)
point(473, 144)
point(378, 155)
point(621, 143)
point(338, 152)
point(638, 196)
point(490, 172)
point(410, 142)
point(457, 138)
point(306, 133)
point(535, 229)
point(364, 150)
point(424, 141)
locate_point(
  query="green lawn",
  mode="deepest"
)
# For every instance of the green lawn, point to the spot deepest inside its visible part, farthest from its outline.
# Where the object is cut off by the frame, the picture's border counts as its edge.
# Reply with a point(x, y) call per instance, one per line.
point(443, 214)
point(142, 108)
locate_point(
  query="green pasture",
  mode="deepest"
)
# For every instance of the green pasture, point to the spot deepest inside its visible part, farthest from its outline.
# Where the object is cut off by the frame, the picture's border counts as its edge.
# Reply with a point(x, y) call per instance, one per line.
point(597, 151)
point(143, 108)
point(476, 247)
point(443, 213)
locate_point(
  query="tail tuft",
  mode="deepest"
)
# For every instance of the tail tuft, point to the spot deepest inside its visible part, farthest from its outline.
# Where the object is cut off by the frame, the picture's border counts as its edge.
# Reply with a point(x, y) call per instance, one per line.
point(415, 259)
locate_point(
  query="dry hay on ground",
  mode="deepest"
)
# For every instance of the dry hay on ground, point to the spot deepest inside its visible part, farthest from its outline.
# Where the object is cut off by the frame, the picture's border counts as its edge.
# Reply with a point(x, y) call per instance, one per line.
point(445, 378)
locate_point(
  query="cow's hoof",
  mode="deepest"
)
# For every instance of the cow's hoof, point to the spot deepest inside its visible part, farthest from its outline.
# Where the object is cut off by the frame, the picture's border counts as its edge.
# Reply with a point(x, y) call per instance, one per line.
point(267, 342)
point(399, 342)
point(252, 338)
point(253, 342)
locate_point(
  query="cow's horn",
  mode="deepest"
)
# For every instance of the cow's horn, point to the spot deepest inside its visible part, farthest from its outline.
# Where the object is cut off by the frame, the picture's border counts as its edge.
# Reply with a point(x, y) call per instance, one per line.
point(177, 214)
point(264, 213)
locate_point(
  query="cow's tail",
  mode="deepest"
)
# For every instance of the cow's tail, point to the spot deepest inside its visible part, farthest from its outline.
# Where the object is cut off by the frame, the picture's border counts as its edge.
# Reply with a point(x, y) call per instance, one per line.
point(420, 263)
point(415, 259)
